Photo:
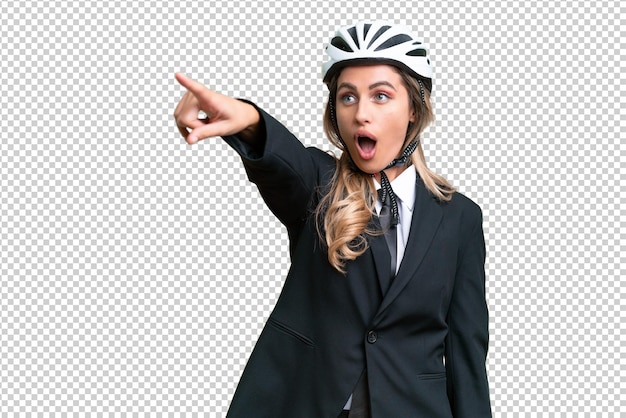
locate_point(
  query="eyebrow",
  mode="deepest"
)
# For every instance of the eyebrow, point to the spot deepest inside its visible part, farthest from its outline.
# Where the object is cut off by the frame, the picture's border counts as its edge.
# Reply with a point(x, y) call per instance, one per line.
point(371, 87)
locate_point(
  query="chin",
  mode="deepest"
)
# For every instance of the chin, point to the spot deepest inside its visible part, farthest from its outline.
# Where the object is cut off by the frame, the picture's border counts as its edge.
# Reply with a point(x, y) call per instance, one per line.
point(369, 167)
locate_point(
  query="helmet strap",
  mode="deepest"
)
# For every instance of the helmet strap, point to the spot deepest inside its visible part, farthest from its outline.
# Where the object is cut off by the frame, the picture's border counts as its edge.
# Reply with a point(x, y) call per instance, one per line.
point(385, 184)
point(421, 91)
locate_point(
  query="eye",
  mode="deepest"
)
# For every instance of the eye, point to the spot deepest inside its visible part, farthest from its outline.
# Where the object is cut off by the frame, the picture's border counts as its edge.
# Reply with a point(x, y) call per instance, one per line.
point(381, 97)
point(347, 98)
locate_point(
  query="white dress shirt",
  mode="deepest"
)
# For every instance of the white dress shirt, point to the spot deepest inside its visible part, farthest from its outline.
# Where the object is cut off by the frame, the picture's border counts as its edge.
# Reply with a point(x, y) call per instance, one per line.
point(404, 188)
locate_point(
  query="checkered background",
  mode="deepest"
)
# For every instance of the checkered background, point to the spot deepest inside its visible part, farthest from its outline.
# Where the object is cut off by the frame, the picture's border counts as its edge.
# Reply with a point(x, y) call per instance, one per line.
point(136, 271)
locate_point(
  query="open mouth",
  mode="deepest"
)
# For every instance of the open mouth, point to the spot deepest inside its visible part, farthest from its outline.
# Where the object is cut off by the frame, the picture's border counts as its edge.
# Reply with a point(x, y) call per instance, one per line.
point(365, 143)
point(366, 146)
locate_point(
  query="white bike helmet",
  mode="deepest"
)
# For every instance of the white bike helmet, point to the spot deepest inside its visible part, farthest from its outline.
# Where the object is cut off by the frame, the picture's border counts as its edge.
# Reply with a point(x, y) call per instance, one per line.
point(378, 42)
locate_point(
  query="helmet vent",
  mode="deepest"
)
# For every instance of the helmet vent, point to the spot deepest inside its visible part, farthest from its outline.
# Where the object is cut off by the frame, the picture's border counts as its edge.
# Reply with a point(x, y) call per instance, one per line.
point(366, 28)
point(420, 52)
point(393, 41)
point(352, 32)
point(377, 35)
point(341, 44)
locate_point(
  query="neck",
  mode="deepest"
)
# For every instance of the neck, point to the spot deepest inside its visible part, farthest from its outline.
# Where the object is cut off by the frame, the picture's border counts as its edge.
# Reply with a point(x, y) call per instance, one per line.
point(391, 172)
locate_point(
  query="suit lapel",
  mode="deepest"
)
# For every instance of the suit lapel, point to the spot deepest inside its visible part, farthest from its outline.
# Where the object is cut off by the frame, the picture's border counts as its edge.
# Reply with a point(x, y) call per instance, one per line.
point(427, 215)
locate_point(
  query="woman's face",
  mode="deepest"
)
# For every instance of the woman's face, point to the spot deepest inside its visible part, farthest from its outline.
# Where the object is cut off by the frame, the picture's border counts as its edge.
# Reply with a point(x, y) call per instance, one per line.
point(373, 115)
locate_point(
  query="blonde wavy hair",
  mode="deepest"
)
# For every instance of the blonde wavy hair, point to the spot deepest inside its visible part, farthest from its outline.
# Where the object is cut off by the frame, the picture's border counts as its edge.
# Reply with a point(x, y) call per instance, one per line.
point(344, 213)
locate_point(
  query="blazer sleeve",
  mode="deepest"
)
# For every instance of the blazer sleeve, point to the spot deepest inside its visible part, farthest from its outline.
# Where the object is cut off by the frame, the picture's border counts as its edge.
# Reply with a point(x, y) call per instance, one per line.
point(286, 173)
point(468, 326)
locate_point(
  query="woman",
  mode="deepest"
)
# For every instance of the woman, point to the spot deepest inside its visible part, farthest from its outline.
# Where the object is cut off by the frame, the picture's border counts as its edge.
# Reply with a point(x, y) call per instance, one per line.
point(383, 311)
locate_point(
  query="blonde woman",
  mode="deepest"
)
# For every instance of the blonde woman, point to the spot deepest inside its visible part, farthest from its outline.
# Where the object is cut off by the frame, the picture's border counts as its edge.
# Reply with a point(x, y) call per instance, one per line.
point(383, 311)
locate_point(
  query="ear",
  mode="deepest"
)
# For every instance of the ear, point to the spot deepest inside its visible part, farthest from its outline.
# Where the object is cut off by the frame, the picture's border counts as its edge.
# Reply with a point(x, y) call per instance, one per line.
point(412, 116)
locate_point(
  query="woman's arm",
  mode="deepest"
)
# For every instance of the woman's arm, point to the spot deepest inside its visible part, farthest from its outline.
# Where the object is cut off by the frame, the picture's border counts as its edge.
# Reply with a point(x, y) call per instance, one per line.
point(286, 173)
point(468, 327)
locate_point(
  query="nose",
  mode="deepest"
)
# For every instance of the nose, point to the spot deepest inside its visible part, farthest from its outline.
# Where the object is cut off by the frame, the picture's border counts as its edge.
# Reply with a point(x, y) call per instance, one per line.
point(363, 112)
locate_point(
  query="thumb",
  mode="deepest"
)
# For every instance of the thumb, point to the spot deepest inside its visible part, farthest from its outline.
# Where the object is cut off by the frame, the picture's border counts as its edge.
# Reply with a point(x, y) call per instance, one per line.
point(213, 129)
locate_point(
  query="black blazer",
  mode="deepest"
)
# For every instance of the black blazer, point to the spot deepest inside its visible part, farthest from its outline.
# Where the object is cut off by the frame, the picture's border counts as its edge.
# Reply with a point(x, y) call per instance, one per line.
point(424, 342)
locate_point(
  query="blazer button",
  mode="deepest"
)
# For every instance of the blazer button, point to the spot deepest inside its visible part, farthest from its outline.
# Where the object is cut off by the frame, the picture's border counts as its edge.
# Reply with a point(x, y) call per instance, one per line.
point(372, 337)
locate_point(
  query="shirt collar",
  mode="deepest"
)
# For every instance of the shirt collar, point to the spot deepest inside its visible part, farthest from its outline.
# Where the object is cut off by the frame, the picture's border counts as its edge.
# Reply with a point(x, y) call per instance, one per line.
point(404, 187)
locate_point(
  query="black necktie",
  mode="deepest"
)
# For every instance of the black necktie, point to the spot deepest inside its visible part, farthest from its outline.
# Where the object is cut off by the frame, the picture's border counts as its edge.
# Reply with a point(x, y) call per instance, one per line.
point(390, 230)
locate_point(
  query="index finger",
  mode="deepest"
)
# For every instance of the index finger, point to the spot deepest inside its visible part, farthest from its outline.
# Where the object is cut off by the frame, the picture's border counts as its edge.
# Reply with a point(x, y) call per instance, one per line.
point(191, 85)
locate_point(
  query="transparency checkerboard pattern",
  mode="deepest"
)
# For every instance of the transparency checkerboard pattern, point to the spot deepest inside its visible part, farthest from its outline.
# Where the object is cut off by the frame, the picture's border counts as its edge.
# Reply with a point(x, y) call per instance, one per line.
point(136, 271)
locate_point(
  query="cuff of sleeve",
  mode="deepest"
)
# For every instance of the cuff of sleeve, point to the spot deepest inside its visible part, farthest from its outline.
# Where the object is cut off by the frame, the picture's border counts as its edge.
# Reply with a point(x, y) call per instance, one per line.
point(244, 149)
